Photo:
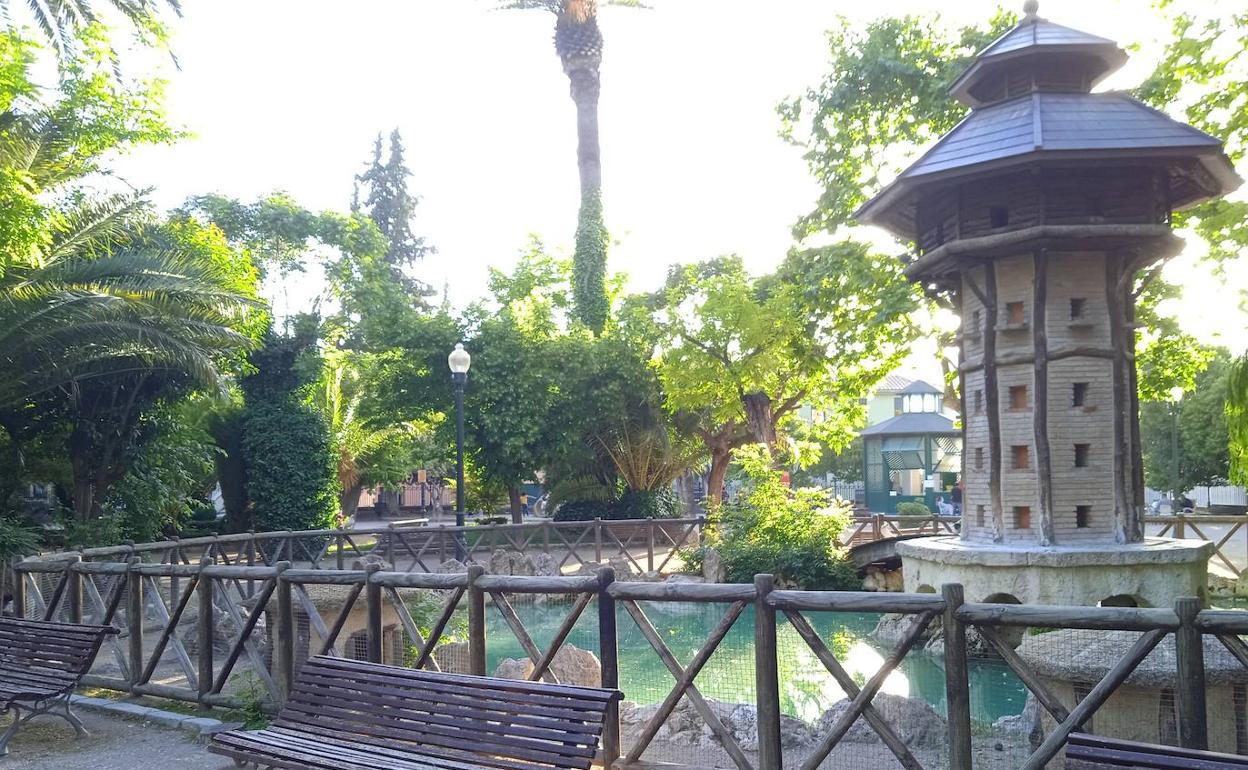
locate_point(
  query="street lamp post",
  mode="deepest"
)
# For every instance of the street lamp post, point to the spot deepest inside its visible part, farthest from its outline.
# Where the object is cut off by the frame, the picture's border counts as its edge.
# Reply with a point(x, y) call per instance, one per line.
point(1176, 395)
point(459, 361)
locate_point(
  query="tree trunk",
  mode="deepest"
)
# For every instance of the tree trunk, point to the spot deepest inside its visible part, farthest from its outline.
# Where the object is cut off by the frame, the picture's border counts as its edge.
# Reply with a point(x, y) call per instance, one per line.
point(84, 499)
point(720, 457)
point(760, 420)
point(349, 501)
point(517, 514)
point(578, 42)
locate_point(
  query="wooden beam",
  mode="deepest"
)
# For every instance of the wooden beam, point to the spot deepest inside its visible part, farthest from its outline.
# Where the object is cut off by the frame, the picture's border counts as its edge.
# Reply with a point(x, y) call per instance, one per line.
point(993, 405)
point(1040, 396)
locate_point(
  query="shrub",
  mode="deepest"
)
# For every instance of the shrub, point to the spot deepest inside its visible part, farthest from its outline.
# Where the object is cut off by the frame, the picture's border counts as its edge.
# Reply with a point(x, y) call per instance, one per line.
point(640, 504)
point(912, 508)
point(789, 533)
point(16, 540)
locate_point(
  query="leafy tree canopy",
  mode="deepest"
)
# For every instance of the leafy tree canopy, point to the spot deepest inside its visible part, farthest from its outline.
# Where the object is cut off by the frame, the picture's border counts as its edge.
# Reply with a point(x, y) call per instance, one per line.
point(1203, 456)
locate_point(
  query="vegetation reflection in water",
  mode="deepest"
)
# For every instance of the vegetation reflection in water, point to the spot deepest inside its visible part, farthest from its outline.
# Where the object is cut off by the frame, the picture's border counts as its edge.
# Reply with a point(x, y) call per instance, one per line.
point(806, 689)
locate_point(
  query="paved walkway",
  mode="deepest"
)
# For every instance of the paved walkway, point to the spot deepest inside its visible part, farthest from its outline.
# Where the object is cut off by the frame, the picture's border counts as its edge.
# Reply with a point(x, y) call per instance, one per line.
point(48, 743)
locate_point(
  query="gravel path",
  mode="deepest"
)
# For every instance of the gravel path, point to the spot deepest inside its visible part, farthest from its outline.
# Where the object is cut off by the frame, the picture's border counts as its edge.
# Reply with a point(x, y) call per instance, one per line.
point(48, 743)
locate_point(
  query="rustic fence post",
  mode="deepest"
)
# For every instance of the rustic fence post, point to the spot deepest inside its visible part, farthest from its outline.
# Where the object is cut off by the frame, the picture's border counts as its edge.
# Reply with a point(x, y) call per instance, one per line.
point(251, 560)
point(134, 619)
point(650, 545)
point(957, 683)
point(476, 622)
point(609, 655)
point(73, 591)
point(877, 526)
point(204, 630)
point(339, 545)
point(372, 591)
point(175, 582)
point(390, 545)
point(1190, 663)
point(766, 675)
point(598, 540)
point(1180, 526)
point(283, 635)
point(19, 593)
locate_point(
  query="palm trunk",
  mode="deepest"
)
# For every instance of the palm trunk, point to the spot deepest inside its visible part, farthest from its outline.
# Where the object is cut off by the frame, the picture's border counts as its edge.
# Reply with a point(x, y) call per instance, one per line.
point(349, 501)
point(579, 45)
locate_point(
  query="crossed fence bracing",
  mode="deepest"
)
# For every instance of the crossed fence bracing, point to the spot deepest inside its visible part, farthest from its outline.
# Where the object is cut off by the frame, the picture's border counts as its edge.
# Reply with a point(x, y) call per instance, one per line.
point(194, 632)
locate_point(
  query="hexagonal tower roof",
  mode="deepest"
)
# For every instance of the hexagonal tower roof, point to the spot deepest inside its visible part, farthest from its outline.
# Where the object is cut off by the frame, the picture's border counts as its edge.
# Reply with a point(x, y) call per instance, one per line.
point(1031, 100)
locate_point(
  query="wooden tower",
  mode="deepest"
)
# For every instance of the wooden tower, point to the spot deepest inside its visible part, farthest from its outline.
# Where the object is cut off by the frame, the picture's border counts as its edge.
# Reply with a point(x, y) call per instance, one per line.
point(1039, 212)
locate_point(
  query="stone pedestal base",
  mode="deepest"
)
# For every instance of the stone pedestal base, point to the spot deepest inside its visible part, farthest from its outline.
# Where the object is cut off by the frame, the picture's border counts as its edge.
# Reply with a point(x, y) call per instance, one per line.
point(1149, 574)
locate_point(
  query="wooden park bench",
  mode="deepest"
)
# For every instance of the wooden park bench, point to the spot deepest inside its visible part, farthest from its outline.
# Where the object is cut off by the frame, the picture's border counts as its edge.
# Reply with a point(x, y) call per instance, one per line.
point(351, 715)
point(40, 665)
point(1092, 752)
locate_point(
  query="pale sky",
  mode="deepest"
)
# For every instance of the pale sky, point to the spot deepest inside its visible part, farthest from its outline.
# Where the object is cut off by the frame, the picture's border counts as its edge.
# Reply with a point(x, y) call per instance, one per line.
point(289, 95)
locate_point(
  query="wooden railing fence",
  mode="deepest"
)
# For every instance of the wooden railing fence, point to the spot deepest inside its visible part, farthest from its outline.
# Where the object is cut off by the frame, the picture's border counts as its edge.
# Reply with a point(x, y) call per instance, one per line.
point(130, 595)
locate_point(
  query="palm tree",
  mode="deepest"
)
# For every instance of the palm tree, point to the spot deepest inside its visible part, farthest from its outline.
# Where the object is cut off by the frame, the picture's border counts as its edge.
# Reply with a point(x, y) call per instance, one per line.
point(59, 20)
point(368, 453)
point(100, 299)
point(578, 42)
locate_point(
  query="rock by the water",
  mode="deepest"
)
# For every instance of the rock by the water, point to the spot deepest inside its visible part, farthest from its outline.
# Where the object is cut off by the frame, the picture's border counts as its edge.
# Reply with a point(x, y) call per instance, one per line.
point(572, 665)
point(713, 566)
point(686, 726)
point(510, 563)
point(1028, 723)
point(450, 566)
point(916, 723)
point(544, 564)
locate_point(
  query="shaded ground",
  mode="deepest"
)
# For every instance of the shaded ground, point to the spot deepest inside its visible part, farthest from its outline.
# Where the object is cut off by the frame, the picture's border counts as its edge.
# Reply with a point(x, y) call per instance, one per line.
point(48, 743)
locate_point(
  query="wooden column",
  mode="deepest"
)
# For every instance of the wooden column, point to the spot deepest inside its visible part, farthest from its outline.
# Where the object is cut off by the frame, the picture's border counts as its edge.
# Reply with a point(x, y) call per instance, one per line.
point(609, 655)
point(1119, 395)
point(73, 591)
point(992, 402)
point(135, 611)
point(372, 593)
point(284, 635)
point(204, 628)
point(19, 593)
point(1190, 689)
point(476, 622)
point(957, 681)
point(1040, 396)
point(766, 675)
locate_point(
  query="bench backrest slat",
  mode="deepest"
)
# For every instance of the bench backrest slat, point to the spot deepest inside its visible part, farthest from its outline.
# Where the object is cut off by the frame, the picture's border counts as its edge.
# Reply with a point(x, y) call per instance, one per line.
point(500, 723)
point(62, 647)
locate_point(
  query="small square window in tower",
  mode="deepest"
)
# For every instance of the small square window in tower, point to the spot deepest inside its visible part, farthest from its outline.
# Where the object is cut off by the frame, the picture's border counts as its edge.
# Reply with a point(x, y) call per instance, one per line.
point(979, 458)
point(1079, 394)
point(1014, 314)
point(1083, 516)
point(1020, 455)
point(977, 323)
point(1082, 452)
point(979, 401)
point(998, 216)
point(1022, 517)
point(1078, 307)
point(1018, 396)
point(979, 515)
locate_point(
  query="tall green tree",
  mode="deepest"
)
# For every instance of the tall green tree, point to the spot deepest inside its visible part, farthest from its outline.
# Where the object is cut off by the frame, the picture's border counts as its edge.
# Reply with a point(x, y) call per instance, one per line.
point(738, 355)
point(392, 206)
point(578, 42)
point(64, 21)
point(1203, 457)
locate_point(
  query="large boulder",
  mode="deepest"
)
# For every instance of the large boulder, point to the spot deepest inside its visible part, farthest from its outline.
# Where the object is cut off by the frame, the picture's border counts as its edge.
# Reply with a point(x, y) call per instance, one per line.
point(685, 726)
point(917, 724)
point(510, 563)
point(572, 665)
point(1029, 723)
point(544, 564)
point(713, 566)
point(451, 566)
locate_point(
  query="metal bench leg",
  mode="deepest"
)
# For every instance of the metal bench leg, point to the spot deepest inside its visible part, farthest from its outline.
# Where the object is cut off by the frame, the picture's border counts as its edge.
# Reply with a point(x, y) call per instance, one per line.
point(4, 739)
point(79, 728)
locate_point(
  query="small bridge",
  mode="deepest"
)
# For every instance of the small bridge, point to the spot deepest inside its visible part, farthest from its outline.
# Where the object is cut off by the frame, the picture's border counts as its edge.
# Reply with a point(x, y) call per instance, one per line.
point(883, 552)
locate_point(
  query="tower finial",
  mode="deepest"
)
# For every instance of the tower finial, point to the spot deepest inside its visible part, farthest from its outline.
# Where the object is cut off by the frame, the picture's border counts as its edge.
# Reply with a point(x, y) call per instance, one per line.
point(1030, 7)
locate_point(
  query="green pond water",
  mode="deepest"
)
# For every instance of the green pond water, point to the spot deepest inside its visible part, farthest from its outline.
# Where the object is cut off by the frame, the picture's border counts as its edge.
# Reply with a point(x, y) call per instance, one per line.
point(806, 689)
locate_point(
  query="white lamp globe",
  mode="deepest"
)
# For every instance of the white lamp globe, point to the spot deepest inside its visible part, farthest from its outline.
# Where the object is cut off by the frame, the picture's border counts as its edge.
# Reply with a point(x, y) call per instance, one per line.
point(459, 359)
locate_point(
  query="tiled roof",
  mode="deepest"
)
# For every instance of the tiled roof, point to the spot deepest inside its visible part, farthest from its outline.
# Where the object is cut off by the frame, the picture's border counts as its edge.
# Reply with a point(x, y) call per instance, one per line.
point(913, 423)
point(920, 386)
point(893, 383)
